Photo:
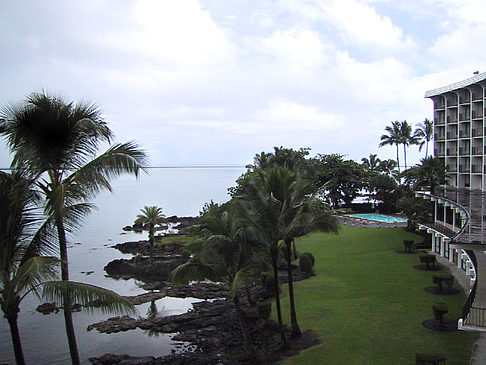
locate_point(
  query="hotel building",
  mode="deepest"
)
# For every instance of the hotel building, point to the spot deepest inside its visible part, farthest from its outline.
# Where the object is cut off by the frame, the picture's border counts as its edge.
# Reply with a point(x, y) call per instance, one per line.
point(459, 225)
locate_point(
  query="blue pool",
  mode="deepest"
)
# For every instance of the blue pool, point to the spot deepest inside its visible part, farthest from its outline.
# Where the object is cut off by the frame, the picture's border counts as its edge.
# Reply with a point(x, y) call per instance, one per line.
point(379, 217)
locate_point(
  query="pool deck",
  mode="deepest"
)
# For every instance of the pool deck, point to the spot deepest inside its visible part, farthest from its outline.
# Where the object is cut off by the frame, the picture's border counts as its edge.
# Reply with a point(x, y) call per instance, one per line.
point(349, 220)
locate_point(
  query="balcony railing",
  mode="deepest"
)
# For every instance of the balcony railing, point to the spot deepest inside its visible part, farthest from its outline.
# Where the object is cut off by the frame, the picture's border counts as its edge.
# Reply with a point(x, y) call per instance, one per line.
point(464, 134)
point(451, 151)
point(439, 137)
point(439, 152)
point(463, 100)
point(451, 135)
point(476, 169)
point(451, 119)
point(477, 151)
point(464, 116)
point(451, 168)
point(464, 151)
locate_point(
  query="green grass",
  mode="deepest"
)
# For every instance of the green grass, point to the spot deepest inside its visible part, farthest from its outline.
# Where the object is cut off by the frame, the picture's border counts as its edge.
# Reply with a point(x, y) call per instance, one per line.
point(183, 240)
point(367, 302)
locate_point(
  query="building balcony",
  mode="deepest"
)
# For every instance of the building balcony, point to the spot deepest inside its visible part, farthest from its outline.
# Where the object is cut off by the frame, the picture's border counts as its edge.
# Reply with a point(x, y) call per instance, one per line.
point(477, 132)
point(464, 100)
point(439, 153)
point(451, 168)
point(476, 114)
point(451, 151)
point(476, 169)
point(464, 168)
point(464, 151)
point(464, 116)
point(439, 121)
point(464, 134)
point(477, 150)
point(439, 137)
point(451, 119)
point(451, 135)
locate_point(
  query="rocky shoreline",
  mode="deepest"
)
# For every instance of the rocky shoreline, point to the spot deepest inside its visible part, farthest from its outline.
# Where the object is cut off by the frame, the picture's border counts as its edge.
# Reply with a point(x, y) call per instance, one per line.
point(211, 327)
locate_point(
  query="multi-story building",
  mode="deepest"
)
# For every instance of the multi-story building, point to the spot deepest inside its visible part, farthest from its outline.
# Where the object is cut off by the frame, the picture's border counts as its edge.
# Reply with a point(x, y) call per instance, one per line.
point(459, 221)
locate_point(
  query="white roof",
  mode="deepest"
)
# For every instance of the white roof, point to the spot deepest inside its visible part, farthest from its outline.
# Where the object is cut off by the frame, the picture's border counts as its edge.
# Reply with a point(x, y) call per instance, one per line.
point(472, 80)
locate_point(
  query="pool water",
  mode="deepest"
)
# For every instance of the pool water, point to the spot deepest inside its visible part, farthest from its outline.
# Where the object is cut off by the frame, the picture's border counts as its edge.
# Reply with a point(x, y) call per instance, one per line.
point(379, 217)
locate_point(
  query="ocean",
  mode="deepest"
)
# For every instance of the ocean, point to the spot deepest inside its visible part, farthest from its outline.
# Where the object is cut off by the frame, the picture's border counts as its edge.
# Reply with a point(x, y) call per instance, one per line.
point(179, 191)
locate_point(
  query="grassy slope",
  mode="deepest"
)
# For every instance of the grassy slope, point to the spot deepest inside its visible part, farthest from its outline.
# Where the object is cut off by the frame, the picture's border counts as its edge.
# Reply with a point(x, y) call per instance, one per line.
point(367, 302)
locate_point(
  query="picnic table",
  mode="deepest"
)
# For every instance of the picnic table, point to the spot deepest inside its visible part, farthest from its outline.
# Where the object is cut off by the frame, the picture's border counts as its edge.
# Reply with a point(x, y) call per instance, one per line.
point(440, 309)
point(428, 260)
point(409, 246)
point(441, 279)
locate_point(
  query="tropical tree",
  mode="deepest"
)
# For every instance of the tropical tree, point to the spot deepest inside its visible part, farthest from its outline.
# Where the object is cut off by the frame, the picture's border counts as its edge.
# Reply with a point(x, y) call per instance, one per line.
point(23, 236)
point(306, 213)
point(393, 137)
point(406, 138)
point(429, 173)
point(224, 254)
point(57, 142)
point(152, 216)
point(424, 134)
point(371, 163)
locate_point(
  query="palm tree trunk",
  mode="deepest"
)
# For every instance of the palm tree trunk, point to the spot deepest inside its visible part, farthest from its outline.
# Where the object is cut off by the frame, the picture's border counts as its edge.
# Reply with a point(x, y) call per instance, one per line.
point(68, 316)
point(405, 155)
point(277, 296)
point(14, 332)
point(293, 316)
point(426, 148)
point(251, 301)
point(244, 330)
point(295, 249)
point(398, 160)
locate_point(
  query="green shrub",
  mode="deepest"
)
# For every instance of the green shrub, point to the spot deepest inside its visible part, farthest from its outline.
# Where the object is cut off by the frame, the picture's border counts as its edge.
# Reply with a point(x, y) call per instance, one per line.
point(306, 263)
point(264, 310)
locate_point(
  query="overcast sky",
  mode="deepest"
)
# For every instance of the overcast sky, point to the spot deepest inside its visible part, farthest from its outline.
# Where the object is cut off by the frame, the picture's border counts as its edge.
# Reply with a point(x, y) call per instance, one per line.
point(216, 81)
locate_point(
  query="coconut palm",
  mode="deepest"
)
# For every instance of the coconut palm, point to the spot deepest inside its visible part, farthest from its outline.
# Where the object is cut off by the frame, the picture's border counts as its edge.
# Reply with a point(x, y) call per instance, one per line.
point(424, 134)
point(406, 139)
point(225, 254)
point(22, 238)
point(371, 163)
point(152, 216)
point(392, 138)
point(307, 214)
point(57, 143)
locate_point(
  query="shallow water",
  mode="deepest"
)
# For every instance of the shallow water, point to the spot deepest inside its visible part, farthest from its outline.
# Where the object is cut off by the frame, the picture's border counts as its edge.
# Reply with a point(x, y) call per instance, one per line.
point(179, 192)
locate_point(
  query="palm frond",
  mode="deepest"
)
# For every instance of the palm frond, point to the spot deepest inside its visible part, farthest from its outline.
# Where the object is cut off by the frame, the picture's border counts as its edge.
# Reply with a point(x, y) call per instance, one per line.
point(120, 158)
point(193, 270)
point(94, 298)
point(34, 272)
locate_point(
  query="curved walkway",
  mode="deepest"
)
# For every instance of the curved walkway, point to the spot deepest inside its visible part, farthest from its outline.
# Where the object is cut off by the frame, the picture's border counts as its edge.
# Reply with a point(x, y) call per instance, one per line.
point(478, 354)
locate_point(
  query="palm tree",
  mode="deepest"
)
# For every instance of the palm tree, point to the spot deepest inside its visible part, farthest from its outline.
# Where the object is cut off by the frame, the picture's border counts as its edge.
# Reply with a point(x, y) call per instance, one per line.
point(225, 254)
point(406, 139)
point(307, 214)
point(424, 134)
point(57, 143)
point(152, 216)
point(372, 163)
point(392, 138)
point(22, 238)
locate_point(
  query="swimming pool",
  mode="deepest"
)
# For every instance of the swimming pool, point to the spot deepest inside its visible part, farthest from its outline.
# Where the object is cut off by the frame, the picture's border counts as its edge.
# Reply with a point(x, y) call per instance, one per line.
point(379, 217)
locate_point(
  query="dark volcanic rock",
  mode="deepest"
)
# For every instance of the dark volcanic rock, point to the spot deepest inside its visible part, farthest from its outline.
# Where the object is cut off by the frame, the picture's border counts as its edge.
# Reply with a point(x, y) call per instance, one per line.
point(144, 268)
point(143, 248)
point(47, 308)
point(189, 358)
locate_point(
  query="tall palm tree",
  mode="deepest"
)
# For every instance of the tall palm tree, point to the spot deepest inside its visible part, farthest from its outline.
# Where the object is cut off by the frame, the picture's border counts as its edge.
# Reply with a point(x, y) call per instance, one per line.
point(308, 214)
point(151, 215)
point(392, 138)
point(57, 143)
point(406, 139)
point(224, 254)
point(424, 134)
point(22, 238)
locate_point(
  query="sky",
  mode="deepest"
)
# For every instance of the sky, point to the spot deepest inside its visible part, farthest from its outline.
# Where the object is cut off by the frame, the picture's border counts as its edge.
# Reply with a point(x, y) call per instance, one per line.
point(217, 81)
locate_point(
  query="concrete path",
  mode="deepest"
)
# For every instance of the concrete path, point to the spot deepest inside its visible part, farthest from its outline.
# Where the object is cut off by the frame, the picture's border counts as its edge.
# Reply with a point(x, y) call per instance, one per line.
point(478, 353)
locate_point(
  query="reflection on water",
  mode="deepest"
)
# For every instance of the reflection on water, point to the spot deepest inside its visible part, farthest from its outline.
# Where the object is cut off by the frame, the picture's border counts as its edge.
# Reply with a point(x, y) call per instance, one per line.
point(182, 192)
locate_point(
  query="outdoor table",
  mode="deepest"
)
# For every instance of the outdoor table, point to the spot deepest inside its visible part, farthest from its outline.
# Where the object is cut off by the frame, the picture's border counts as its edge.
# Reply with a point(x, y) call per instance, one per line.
point(440, 309)
point(429, 359)
point(409, 247)
point(440, 279)
point(428, 259)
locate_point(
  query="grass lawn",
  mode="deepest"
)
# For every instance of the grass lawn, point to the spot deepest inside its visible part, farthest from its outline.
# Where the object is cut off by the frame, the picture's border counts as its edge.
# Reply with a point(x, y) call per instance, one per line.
point(367, 302)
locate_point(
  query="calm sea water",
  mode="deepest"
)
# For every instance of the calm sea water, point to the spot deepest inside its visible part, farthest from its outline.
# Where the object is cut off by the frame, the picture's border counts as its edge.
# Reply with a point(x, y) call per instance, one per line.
point(179, 192)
